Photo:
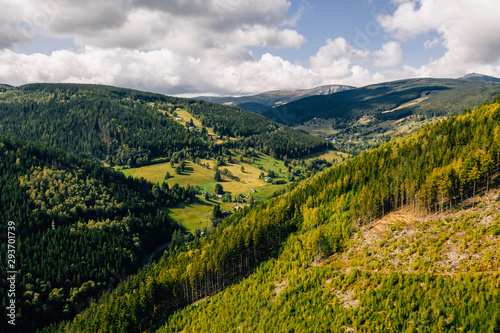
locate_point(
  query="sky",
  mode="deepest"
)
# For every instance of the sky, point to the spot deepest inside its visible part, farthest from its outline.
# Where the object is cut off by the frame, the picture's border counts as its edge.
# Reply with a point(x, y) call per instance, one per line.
point(241, 47)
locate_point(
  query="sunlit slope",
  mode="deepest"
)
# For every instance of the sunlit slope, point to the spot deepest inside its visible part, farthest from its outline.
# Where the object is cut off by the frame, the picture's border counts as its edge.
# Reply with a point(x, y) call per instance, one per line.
point(286, 245)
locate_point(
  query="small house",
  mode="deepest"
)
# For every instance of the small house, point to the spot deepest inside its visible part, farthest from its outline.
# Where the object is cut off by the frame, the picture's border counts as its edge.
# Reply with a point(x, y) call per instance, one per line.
point(227, 213)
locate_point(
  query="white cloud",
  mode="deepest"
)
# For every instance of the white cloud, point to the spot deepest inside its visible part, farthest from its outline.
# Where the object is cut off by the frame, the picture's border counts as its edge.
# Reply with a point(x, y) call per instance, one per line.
point(173, 46)
point(161, 71)
point(335, 59)
point(203, 46)
point(429, 44)
point(468, 29)
point(13, 29)
point(154, 24)
point(389, 56)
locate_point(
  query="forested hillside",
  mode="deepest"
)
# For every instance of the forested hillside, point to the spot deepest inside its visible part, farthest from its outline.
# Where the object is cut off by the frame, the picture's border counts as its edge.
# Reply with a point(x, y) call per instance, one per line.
point(391, 100)
point(79, 228)
point(129, 127)
point(281, 245)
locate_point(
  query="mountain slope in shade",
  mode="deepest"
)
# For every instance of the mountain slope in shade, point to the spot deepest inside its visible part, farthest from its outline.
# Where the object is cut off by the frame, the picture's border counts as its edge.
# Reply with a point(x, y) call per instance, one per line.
point(267, 100)
point(124, 125)
point(283, 260)
point(479, 77)
point(435, 96)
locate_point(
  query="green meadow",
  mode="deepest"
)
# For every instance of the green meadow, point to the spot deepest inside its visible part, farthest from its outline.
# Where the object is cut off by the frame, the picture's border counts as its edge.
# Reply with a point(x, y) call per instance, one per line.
point(194, 216)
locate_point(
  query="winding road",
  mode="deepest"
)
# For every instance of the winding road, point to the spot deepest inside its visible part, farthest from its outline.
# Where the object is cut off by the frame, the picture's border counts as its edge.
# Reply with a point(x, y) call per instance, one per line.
point(149, 257)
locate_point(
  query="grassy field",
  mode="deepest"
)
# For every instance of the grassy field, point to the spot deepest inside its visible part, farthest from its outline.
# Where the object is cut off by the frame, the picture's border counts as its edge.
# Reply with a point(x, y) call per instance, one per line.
point(185, 117)
point(196, 215)
point(194, 174)
point(329, 156)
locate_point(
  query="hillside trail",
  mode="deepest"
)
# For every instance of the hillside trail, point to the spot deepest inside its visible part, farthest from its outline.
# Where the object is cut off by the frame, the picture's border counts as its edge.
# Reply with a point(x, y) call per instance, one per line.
point(148, 258)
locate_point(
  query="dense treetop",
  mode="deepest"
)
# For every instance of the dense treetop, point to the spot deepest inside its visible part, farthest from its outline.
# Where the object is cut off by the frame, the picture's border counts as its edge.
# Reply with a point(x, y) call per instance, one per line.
point(129, 127)
point(78, 224)
point(429, 171)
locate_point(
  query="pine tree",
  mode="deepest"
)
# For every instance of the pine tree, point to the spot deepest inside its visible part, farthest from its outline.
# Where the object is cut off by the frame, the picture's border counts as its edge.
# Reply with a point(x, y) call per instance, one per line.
point(217, 176)
point(219, 189)
point(217, 212)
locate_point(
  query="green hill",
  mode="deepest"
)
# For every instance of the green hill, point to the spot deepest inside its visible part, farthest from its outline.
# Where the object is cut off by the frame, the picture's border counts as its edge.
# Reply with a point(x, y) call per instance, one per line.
point(77, 229)
point(392, 100)
point(292, 263)
point(129, 127)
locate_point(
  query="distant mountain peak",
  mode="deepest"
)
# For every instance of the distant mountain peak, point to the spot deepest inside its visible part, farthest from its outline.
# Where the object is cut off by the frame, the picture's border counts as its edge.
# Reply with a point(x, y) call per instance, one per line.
point(479, 77)
point(265, 101)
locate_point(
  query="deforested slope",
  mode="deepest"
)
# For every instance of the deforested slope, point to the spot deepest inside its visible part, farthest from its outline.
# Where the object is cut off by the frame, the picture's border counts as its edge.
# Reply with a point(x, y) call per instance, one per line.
point(280, 252)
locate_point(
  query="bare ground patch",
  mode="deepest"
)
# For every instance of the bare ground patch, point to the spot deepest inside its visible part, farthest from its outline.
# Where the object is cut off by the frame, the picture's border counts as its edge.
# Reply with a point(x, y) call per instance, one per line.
point(463, 240)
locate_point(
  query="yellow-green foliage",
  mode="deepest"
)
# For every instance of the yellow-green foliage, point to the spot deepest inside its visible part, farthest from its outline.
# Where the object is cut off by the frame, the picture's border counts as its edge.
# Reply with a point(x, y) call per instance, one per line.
point(292, 234)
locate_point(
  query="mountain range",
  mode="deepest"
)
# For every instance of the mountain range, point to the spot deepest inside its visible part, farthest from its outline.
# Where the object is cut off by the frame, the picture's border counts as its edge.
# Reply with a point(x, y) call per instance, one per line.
point(401, 237)
point(263, 102)
point(391, 100)
point(410, 96)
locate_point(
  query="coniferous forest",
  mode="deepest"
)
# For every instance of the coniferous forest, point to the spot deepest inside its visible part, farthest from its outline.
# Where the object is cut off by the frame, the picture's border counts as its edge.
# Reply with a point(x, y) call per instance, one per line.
point(80, 227)
point(268, 166)
point(272, 267)
point(128, 127)
point(313, 257)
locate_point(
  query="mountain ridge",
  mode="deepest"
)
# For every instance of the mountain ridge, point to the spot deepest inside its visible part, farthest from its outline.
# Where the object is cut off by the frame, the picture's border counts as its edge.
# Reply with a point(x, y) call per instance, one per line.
point(261, 102)
point(117, 125)
point(479, 77)
point(445, 96)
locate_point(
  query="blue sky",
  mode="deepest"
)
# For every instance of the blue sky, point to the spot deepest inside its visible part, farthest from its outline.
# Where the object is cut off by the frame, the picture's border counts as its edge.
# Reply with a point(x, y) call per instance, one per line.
point(237, 47)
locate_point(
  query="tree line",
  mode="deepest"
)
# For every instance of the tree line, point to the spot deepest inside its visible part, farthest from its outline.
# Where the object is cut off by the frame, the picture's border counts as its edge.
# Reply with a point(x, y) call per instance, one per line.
point(77, 223)
point(127, 127)
point(316, 218)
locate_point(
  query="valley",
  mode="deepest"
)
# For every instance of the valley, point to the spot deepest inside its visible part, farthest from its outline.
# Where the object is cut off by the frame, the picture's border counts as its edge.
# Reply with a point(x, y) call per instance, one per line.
point(249, 221)
point(204, 148)
point(403, 237)
point(268, 166)
point(249, 185)
point(355, 136)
